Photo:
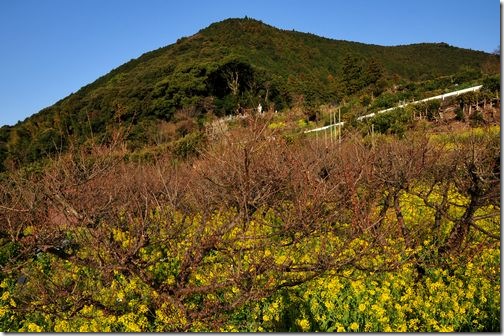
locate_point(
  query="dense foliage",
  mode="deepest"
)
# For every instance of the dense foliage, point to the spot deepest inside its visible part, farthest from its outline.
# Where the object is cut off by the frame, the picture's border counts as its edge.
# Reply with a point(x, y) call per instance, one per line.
point(228, 67)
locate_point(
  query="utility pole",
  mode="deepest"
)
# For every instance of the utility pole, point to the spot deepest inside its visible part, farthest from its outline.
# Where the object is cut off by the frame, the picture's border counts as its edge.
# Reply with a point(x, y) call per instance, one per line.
point(372, 135)
point(331, 121)
point(339, 124)
point(334, 122)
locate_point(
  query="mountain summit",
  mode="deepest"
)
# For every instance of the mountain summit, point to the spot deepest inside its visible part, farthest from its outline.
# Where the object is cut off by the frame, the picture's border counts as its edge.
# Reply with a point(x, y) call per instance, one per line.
point(228, 66)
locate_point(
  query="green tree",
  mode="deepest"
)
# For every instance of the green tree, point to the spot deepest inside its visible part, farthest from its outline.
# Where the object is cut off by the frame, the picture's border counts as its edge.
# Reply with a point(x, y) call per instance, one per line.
point(352, 74)
point(491, 84)
point(373, 71)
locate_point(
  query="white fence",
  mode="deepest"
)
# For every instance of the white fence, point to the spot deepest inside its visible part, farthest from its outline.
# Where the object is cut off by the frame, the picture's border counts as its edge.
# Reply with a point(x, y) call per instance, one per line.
point(370, 115)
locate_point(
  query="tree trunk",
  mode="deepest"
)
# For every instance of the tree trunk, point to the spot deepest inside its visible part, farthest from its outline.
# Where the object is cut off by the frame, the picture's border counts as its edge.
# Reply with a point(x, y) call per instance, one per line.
point(400, 219)
point(383, 213)
point(460, 230)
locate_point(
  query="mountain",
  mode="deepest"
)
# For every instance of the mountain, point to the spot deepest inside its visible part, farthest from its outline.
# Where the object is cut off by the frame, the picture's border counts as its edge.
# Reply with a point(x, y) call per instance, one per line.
point(233, 64)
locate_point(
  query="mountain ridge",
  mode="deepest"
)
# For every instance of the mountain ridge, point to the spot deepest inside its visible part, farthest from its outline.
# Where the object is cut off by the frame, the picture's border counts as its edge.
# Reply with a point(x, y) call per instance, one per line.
point(229, 65)
point(218, 26)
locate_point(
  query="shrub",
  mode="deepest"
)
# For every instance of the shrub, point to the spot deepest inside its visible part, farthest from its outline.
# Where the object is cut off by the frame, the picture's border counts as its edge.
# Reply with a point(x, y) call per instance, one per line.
point(189, 145)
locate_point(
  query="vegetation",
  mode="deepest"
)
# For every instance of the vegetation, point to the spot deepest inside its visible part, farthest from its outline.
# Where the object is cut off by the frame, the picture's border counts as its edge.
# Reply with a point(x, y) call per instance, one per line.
point(229, 67)
point(254, 231)
point(158, 199)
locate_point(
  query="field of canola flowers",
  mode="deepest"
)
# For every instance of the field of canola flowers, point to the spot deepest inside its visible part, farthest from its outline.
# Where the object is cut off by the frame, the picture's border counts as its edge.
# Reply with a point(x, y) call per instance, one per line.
point(462, 297)
point(468, 300)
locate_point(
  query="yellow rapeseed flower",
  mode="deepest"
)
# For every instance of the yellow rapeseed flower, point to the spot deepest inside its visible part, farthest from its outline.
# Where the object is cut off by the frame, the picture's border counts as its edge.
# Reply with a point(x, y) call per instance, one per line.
point(5, 296)
point(143, 309)
point(384, 319)
point(446, 329)
point(402, 327)
point(132, 327)
point(87, 309)
point(354, 326)
point(384, 297)
point(32, 327)
point(362, 307)
point(314, 305)
point(280, 260)
point(413, 324)
point(304, 324)
point(61, 326)
point(329, 305)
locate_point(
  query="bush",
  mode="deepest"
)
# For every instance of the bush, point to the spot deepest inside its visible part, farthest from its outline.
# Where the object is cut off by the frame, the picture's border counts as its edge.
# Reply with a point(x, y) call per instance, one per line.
point(433, 109)
point(476, 119)
point(459, 114)
point(395, 121)
point(491, 84)
point(189, 145)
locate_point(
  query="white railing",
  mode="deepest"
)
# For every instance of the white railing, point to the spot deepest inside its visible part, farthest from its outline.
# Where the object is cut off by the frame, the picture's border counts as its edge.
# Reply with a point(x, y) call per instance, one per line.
point(370, 115)
point(443, 96)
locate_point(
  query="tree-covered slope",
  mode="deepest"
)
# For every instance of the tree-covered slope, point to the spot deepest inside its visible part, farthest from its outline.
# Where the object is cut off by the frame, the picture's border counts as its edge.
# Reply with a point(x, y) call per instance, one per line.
point(233, 64)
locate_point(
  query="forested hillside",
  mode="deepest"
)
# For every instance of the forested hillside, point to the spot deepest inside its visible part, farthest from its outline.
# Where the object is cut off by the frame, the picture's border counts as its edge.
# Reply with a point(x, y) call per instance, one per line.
point(230, 66)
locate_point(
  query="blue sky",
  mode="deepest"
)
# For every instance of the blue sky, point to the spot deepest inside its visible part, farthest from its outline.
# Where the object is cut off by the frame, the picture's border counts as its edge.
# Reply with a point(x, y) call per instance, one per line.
point(51, 48)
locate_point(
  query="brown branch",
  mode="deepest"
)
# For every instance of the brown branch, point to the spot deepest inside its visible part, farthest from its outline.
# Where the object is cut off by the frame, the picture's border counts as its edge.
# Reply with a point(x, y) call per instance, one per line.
point(13, 209)
point(490, 215)
point(479, 228)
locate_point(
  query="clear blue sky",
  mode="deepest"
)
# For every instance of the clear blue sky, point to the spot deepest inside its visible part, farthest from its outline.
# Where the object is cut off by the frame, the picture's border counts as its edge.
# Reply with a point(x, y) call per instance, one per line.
point(51, 48)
